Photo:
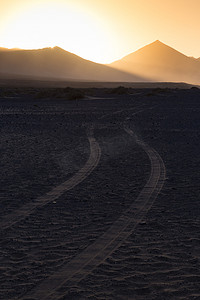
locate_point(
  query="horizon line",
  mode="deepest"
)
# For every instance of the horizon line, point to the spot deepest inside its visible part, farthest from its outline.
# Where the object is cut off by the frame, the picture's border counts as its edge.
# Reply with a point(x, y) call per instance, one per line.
point(97, 62)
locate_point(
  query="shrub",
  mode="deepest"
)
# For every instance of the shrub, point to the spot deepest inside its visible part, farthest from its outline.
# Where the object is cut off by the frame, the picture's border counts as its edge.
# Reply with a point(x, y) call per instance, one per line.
point(120, 90)
point(75, 94)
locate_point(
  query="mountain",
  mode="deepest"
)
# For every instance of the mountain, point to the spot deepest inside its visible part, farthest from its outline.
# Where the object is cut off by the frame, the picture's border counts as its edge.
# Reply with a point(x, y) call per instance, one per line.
point(56, 63)
point(159, 62)
point(3, 49)
point(6, 49)
point(154, 62)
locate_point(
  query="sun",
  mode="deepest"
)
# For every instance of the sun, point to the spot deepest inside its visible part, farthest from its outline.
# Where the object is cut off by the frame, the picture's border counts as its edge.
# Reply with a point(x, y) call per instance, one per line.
point(69, 27)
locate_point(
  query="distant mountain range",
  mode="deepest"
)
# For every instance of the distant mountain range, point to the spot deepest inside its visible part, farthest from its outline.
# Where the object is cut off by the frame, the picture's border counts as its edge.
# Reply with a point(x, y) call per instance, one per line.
point(57, 64)
point(154, 62)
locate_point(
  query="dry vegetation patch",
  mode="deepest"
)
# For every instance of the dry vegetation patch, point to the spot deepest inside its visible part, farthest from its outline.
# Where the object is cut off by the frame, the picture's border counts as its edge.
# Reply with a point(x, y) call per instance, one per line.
point(67, 93)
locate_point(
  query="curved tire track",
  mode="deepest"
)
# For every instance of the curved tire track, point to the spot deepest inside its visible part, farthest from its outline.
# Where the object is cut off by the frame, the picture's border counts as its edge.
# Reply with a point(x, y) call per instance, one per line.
point(27, 209)
point(84, 263)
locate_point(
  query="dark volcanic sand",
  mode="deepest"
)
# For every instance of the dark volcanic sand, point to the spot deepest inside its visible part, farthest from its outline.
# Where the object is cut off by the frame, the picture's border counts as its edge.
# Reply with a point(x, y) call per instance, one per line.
point(44, 142)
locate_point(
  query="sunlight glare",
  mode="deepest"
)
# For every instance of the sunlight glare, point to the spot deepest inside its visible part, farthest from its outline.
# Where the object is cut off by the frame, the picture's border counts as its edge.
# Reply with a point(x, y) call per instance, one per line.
point(68, 27)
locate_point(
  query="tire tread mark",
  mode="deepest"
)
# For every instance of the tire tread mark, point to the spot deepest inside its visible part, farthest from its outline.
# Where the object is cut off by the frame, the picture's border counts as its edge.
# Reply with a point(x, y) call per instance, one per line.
point(84, 263)
point(27, 209)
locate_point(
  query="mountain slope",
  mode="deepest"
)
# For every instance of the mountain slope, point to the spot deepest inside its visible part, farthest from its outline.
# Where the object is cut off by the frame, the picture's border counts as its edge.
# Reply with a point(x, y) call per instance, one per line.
point(56, 63)
point(9, 50)
point(160, 62)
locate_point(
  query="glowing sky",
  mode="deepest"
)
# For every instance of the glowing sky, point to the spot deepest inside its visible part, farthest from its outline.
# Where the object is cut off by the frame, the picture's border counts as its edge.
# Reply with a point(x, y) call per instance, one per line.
point(100, 30)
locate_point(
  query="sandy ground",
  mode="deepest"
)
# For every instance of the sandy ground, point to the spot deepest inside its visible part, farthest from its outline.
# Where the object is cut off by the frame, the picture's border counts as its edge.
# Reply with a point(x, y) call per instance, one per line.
point(87, 210)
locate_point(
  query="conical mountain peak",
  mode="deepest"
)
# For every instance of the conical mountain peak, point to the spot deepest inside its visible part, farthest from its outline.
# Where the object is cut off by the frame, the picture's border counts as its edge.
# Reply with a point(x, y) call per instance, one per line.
point(157, 42)
point(158, 45)
point(160, 62)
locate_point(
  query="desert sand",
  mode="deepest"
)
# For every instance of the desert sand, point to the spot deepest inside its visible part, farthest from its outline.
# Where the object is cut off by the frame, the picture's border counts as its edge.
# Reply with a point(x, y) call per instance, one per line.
point(100, 195)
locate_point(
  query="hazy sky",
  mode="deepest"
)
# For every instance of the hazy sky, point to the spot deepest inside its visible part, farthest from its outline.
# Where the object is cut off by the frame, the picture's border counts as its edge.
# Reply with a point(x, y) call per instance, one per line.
point(100, 30)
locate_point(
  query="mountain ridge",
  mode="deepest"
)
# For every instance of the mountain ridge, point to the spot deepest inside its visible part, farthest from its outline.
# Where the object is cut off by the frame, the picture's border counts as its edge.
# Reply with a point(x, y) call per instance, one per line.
point(7, 49)
point(153, 62)
point(60, 64)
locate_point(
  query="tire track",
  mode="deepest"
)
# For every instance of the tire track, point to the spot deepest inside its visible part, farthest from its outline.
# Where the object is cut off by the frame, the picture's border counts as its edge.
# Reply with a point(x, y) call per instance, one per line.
point(27, 209)
point(78, 268)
